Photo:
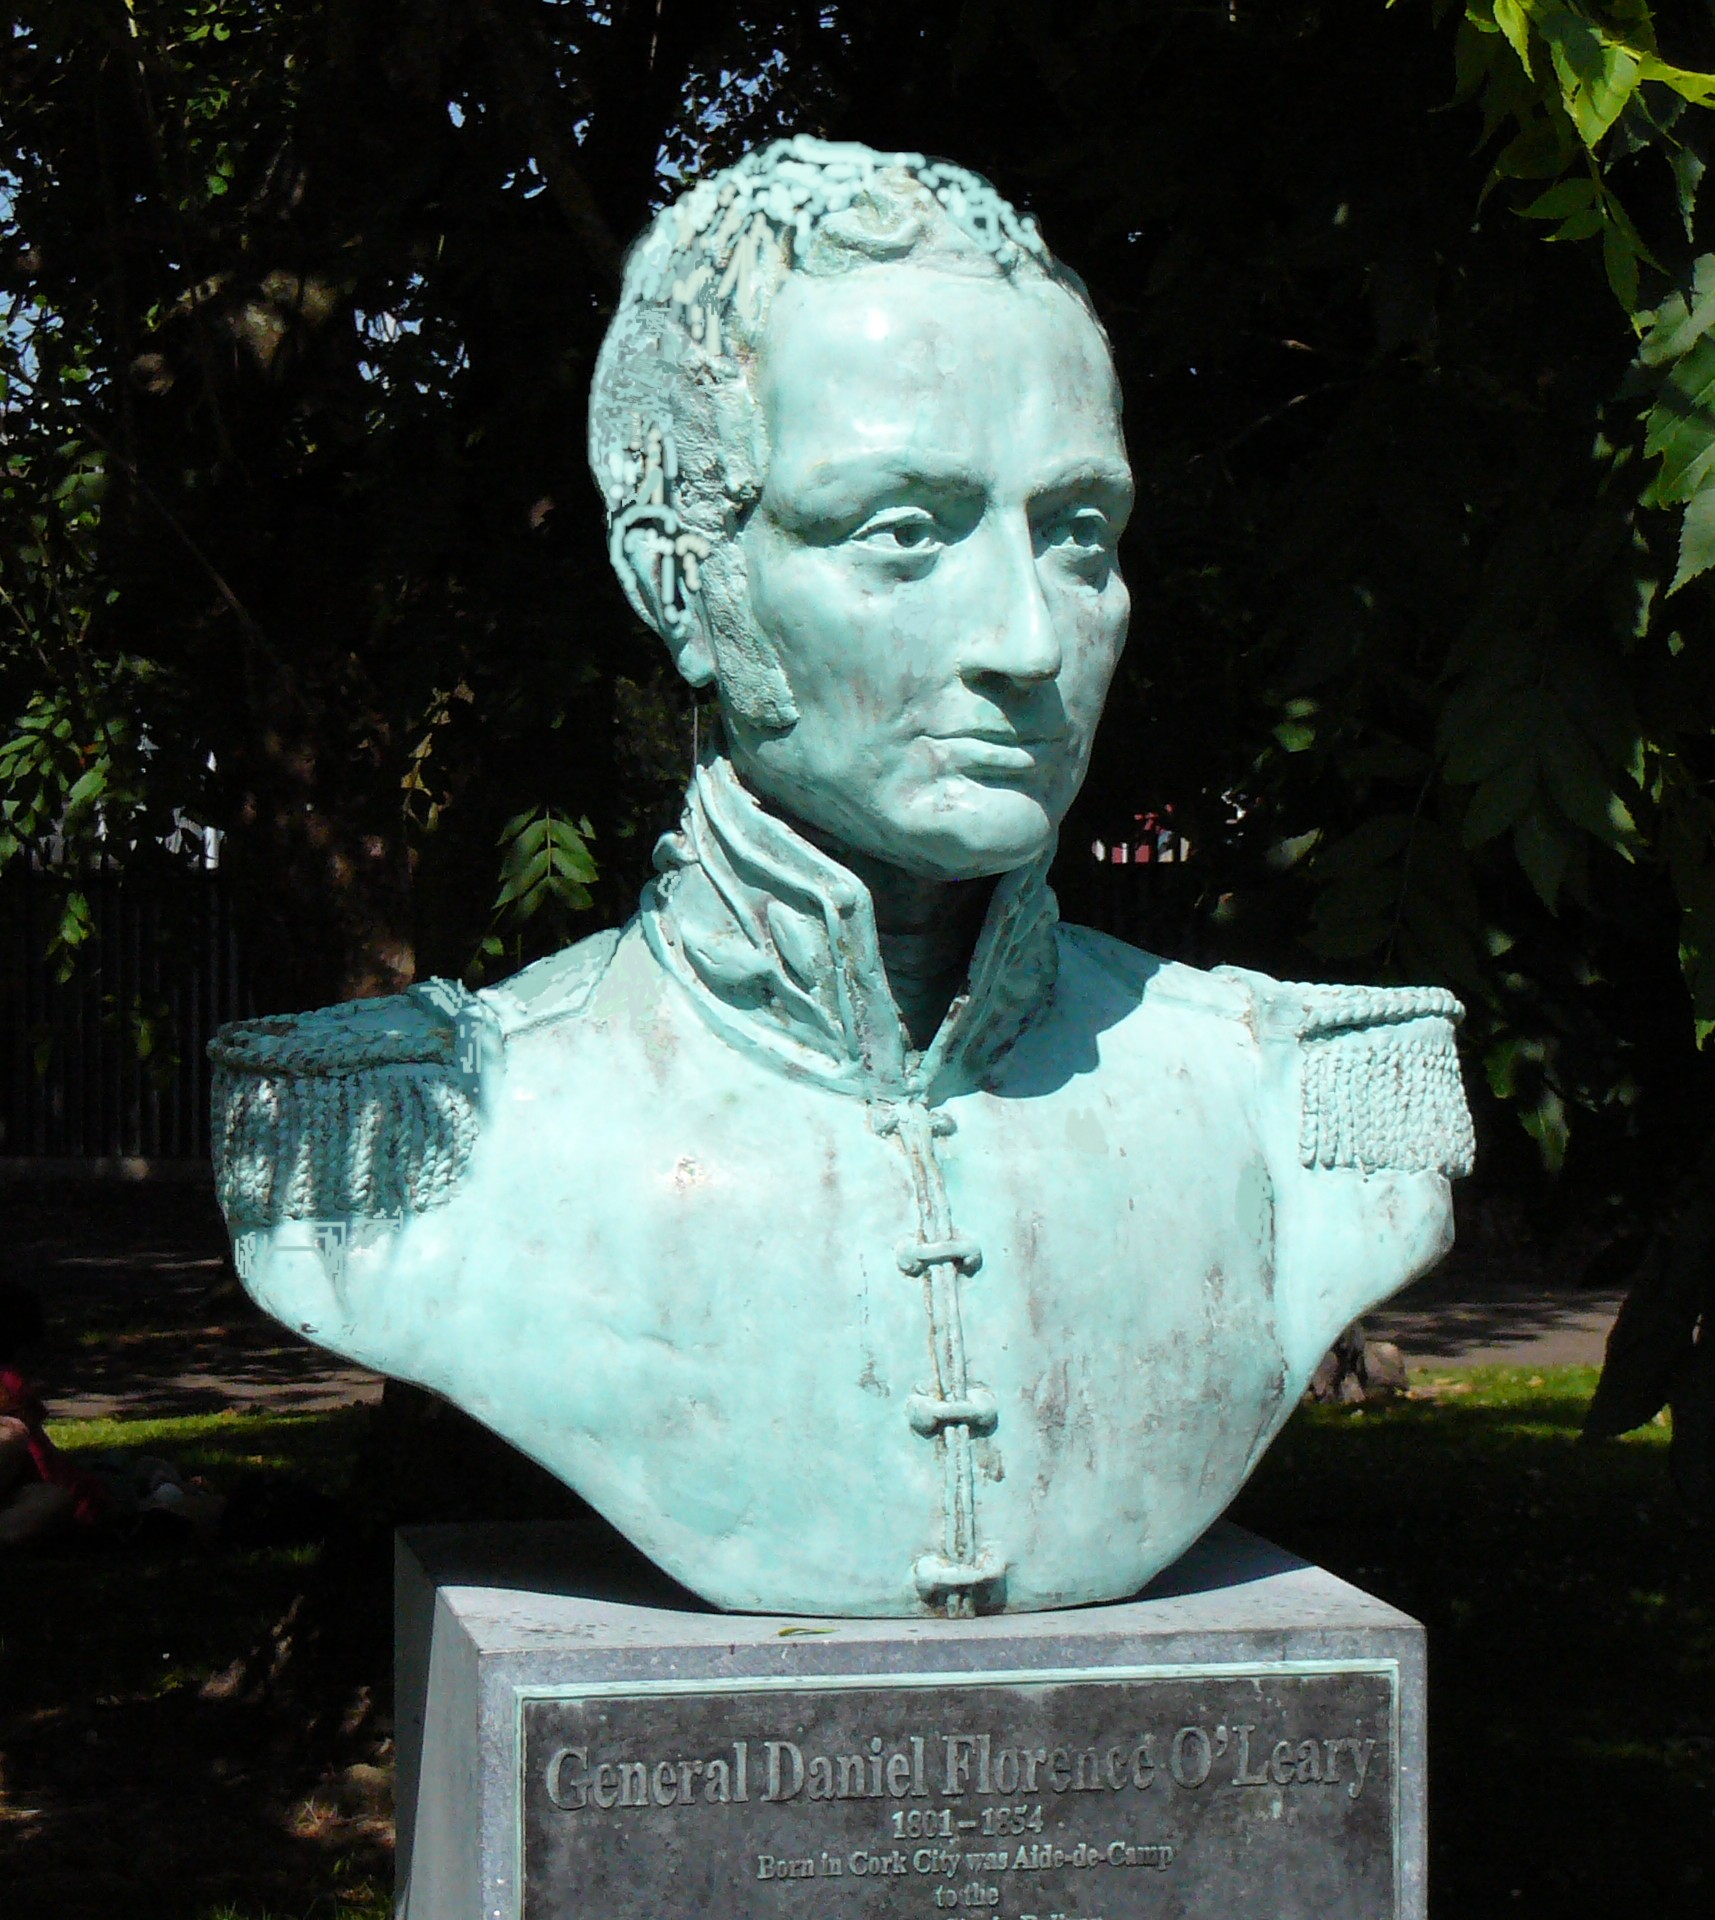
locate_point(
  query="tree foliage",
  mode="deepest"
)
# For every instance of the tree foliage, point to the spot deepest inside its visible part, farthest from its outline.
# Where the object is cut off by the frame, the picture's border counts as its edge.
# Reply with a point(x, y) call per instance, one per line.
point(1415, 309)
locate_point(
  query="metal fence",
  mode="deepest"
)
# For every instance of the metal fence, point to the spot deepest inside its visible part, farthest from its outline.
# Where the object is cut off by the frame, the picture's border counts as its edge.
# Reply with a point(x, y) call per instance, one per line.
point(163, 949)
point(162, 962)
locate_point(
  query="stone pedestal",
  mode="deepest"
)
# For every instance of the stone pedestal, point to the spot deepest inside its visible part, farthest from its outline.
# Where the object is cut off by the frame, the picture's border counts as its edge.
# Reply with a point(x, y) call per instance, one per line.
point(1246, 1738)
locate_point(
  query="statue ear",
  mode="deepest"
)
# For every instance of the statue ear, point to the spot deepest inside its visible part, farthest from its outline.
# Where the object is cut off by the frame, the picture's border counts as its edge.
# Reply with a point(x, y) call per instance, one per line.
point(662, 592)
point(753, 684)
point(702, 611)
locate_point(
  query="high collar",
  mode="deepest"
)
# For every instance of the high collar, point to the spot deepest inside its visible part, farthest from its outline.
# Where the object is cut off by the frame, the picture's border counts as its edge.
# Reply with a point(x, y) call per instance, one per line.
point(776, 943)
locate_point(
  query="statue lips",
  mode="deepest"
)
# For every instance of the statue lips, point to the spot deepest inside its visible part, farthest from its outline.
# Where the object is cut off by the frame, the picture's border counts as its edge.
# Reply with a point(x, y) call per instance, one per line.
point(997, 753)
point(1001, 745)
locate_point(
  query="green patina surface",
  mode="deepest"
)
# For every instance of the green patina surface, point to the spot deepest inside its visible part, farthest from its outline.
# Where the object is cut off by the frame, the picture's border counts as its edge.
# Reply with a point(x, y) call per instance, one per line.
point(856, 1237)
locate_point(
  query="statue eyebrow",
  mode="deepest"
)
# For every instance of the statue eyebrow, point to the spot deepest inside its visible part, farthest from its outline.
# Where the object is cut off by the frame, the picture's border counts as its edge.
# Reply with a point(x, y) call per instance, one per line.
point(885, 468)
point(843, 489)
point(1112, 477)
point(836, 494)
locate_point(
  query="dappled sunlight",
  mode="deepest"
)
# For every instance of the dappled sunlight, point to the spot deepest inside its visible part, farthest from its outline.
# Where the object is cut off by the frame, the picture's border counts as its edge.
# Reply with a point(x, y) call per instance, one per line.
point(127, 1688)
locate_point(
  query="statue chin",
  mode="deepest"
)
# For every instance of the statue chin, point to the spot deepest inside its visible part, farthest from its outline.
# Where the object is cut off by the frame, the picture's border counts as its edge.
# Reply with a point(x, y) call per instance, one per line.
point(959, 826)
point(973, 829)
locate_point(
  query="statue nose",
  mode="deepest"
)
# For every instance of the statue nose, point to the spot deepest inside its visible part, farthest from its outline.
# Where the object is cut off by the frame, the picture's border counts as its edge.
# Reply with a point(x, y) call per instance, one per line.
point(1013, 633)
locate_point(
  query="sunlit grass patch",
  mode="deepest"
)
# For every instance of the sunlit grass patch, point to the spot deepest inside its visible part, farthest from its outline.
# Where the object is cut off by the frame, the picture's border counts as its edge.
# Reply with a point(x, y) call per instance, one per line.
point(316, 1446)
point(88, 1616)
point(1570, 1608)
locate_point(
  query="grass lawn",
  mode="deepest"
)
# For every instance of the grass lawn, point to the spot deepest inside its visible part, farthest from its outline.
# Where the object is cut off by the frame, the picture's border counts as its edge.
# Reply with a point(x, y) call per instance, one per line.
point(107, 1622)
point(125, 1791)
point(1571, 1615)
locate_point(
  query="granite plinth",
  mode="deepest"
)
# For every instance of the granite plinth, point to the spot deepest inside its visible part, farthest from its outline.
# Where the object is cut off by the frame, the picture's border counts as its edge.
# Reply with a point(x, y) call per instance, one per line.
point(1247, 1736)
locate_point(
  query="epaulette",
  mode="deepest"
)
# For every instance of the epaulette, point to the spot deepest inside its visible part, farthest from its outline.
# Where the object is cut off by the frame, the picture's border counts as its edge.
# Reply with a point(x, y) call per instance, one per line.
point(363, 1110)
point(1379, 1074)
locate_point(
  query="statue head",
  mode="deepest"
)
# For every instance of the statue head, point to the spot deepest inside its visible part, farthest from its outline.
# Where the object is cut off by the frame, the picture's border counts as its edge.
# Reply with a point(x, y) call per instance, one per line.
point(858, 433)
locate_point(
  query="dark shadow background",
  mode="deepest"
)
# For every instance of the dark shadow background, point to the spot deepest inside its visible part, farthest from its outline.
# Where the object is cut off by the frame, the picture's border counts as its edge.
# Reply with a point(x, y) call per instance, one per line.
point(326, 283)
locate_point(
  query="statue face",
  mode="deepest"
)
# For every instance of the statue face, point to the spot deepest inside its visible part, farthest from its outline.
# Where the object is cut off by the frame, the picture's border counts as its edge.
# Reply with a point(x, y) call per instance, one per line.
point(932, 563)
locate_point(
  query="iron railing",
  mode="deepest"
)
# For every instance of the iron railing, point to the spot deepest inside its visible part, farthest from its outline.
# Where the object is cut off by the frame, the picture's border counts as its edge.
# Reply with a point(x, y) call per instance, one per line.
point(109, 1063)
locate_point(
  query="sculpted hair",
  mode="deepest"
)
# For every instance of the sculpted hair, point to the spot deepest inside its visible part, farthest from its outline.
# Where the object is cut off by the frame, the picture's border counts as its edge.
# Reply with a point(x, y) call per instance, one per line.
point(676, 439)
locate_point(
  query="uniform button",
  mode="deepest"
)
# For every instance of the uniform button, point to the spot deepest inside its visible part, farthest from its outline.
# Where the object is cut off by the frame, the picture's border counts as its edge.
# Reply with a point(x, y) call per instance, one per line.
point(916, 1255)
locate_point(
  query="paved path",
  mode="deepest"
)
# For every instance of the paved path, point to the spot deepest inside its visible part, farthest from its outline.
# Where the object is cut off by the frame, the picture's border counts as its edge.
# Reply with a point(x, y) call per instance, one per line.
point(290, 1380)
point(148, 1322)
point(1520, 1328)
point(1438, 1323)
point(145, 1318)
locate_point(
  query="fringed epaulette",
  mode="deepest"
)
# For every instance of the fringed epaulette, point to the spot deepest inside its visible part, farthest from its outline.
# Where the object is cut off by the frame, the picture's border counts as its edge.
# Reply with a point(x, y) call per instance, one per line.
point(364, 1110)
point(1379, 1076)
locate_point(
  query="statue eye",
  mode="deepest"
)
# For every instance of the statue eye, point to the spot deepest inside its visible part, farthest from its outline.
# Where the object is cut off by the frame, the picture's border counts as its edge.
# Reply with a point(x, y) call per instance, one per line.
point(900, 530)
point(1086, 530)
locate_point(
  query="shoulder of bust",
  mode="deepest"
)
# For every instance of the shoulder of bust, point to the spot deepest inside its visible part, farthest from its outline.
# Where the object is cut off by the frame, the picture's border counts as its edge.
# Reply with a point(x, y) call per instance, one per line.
point(364, 1109)
point(1372, 1072)
point(556, 988)
point(1147, 982)
point(1376, 1067)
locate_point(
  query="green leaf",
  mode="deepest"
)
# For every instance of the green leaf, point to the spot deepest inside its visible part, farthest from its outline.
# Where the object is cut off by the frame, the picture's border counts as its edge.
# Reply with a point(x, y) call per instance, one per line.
point(1655, 1331)
point(1698, 88)
point(1473, 56)
point(1500, 1065)
point(576, 864)
point(533, 871)
point(1563, 198)
point(1681, 427)
point(1544, 855)
point(88, 788)
point(1478, 746)
point(1499, 801)
point(1688, 171)
point(1620, 259)
point(1575, 776)
point(545, 857)
point(1385, 757)
point(1355, 917)
point(1678, 322)
point(1376, 841)
point(1696, 538)
point(1596, 76)
point(1697, 957)
point(1621, 222)
point(76, 922)
point(1546, 1124)
point(1540, 151)
point(521, 824)
point(1581, 226)
point(1513, 19)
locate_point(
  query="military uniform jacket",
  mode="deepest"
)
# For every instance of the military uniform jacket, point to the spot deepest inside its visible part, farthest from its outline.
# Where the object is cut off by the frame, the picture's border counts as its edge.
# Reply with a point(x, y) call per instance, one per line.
point(824, 1324)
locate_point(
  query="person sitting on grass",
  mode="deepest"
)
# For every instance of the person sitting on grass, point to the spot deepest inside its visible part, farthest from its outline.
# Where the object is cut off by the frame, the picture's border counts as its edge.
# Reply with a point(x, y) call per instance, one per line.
point(40, 1489)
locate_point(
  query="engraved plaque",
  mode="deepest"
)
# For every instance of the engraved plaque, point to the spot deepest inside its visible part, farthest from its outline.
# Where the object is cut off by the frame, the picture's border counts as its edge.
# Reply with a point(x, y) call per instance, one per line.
point(1101, 1795)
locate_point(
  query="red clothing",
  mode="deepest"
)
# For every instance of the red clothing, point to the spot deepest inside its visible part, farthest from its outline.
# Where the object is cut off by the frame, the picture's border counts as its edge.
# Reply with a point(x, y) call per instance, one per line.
point(22, 1401)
